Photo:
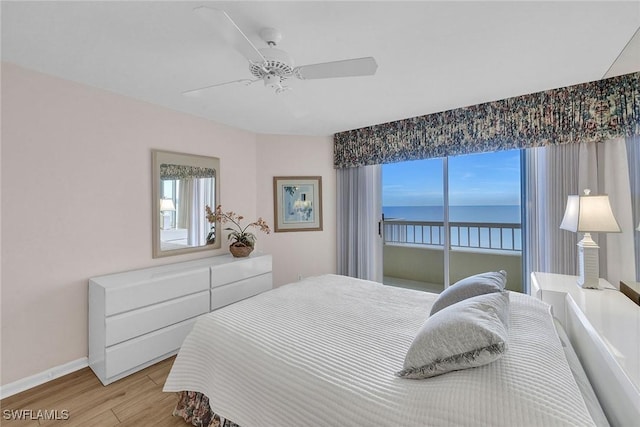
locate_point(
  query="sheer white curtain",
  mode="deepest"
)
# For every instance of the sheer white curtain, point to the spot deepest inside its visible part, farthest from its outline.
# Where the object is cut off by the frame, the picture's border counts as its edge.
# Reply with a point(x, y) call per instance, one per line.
point(620, 262)
point(553, 173)
point(198, 226)
point(194, 194)
point(633, 159)
point(359, 209)
point(185, 193)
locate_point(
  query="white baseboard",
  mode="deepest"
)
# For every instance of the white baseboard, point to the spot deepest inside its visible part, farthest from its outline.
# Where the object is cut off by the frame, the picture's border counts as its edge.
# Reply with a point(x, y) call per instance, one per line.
point(42, 377)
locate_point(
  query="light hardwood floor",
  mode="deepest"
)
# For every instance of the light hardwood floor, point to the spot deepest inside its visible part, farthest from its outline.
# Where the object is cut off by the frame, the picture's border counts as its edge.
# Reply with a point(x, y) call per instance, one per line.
point(136, 400)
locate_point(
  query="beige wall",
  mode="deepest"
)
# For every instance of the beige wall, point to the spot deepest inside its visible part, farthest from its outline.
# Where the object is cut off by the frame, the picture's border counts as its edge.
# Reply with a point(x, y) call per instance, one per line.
point(76, 185)
point(306, 253)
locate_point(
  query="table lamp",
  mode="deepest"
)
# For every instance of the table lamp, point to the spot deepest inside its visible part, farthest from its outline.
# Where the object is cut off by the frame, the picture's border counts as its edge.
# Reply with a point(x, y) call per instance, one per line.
point(589, 214)
point(165, 206)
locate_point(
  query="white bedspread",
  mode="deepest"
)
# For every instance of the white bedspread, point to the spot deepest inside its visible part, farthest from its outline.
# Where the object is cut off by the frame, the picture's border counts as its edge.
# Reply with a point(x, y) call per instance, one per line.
point(323, 352)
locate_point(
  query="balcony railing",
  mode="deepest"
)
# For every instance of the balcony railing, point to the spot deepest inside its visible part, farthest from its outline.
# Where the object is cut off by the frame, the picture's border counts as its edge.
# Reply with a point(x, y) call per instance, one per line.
point(478, 235)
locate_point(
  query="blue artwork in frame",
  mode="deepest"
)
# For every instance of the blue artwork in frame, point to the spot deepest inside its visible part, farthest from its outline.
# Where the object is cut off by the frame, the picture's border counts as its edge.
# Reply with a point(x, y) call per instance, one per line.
point(297, 203)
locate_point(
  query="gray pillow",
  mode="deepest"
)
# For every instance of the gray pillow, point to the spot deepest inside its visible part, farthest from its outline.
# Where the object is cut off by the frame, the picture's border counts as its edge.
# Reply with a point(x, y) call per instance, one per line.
point(471, 286)
point(468, 334)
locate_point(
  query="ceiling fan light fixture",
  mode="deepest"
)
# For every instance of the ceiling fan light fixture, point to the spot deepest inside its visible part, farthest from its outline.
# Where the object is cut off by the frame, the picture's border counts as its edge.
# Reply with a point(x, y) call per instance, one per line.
point(277, 62)
point(273, 65)
point(272, 81)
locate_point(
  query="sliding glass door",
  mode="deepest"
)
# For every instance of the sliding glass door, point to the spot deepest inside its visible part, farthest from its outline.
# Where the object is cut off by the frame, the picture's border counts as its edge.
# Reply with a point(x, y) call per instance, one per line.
point(484, 215)
point(445, 219)
point(413, 209)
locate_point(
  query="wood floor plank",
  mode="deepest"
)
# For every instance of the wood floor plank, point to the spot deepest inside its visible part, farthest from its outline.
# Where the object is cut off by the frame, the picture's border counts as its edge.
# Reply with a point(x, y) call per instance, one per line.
point(142, 400)
point(13, 422)
point(76, 381)
point(96, 401)
point(103, 419)
point(157, 415)
point(160, 371)
point(136, 400)
point(68, 398)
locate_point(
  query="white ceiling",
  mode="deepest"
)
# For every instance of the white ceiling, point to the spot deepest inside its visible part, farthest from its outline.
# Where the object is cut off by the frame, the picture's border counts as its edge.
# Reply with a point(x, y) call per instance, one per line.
point(432, 56)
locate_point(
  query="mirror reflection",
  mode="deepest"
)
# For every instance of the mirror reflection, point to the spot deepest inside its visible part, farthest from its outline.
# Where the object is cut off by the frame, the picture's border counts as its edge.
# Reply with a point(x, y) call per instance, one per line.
point(183, 185)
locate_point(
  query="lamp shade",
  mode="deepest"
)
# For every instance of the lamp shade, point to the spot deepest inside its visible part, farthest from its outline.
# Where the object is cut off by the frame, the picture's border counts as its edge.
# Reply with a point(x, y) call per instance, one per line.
point(589, 214)
point(167, 205)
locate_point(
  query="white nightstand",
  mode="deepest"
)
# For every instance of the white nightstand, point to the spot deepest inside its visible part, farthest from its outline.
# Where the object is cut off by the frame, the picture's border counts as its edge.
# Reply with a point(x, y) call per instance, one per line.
point(604, 328)
point(553, 288)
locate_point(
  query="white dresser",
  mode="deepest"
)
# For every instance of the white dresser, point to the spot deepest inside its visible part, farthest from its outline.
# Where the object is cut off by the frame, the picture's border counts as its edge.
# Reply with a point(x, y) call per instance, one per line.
point(137, 318)
point(603, 326)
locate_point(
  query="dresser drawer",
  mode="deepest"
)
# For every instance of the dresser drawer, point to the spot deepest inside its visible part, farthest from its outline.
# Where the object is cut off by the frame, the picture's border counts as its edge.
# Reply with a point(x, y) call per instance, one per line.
point(139, 317)
point(131, 324)
point(160, 287)
point(225, 295)
point(130, 354)
point(239, 270)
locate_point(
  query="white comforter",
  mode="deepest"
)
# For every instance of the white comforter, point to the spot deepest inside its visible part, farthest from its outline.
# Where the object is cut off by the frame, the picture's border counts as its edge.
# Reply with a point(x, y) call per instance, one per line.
point(323, 352)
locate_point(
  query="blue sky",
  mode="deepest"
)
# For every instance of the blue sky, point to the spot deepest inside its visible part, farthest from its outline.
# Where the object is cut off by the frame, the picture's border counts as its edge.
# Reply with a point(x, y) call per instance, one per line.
point(475, 179)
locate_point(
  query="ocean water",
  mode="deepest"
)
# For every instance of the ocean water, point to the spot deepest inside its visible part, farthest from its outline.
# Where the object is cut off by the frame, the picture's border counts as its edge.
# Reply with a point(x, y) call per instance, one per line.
point(496, 214)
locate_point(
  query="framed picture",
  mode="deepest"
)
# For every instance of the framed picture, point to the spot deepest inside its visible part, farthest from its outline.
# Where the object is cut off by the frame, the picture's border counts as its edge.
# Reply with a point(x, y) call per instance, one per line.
point(297, 203)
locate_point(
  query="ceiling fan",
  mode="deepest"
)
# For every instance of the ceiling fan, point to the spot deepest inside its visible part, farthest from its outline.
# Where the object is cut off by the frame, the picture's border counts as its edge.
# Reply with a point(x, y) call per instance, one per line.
point(274, 66)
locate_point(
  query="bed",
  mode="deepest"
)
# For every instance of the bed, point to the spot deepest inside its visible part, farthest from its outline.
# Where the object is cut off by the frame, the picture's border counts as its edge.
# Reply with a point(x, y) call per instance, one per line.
point(329, 350)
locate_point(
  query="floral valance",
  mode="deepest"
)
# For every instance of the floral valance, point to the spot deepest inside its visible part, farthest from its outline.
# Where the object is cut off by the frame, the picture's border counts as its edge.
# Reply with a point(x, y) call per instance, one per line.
point(170, 172)
point(588, 112)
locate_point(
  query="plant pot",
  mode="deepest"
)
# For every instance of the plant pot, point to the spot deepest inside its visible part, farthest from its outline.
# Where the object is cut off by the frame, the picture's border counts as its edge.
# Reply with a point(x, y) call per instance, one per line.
point(240, 251)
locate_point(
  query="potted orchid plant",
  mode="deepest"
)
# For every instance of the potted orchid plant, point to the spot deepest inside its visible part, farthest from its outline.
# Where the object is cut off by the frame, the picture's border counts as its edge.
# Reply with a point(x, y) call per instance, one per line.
point(242, 240)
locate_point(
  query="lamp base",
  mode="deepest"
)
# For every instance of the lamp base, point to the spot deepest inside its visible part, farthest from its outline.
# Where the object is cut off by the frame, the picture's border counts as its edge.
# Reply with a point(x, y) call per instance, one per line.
point(165, 221)
point(588, 264)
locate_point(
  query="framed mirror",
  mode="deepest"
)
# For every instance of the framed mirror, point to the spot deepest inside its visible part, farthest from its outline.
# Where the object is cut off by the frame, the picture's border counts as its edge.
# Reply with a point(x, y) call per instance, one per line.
point(183, 184)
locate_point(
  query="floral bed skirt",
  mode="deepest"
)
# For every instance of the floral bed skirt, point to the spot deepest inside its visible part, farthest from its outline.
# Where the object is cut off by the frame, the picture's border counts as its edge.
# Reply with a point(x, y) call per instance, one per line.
point(194, 408)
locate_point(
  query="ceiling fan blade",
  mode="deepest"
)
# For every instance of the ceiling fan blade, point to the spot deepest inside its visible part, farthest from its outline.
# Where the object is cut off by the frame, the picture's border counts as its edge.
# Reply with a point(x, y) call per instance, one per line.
point(198, 92)
point(346, 68)
point(231, 32)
